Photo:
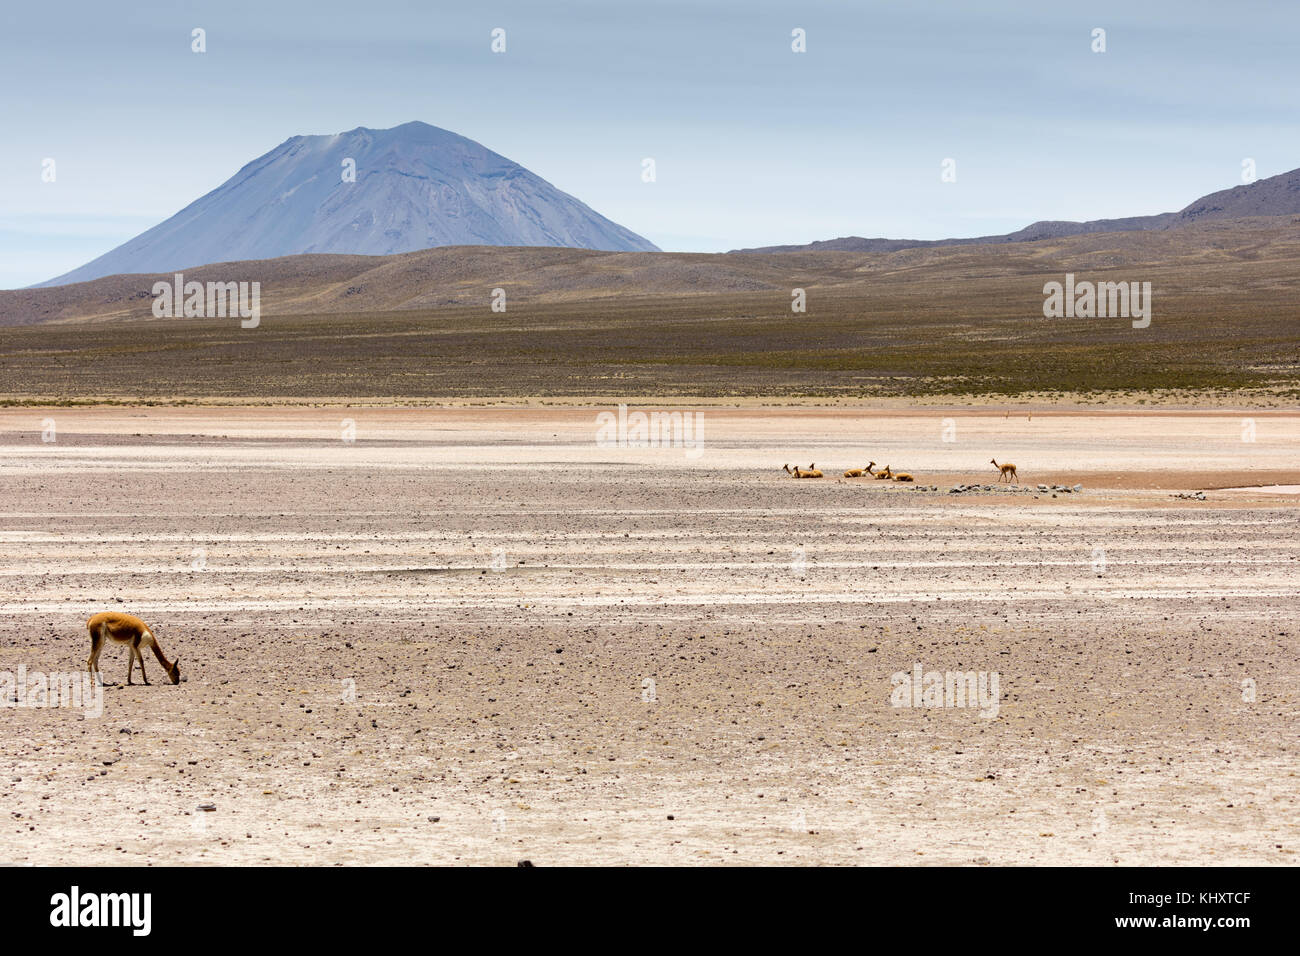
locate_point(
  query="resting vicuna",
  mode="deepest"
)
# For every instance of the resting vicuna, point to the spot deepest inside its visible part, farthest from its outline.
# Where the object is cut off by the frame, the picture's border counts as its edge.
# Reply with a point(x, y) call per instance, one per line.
point(855, 473)
point(903, 476)
point(802, 473)
point(135, 634)
point(884, 474)
point(1007, 471)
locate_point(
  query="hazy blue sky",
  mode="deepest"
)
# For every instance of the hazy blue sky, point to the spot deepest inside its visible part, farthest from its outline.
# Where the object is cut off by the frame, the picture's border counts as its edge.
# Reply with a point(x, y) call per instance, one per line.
point(754, 144)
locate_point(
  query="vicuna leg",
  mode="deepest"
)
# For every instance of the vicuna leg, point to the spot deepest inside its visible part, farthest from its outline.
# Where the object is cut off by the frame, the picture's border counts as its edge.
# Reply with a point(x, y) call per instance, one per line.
point(92, 663)
point(135, 649)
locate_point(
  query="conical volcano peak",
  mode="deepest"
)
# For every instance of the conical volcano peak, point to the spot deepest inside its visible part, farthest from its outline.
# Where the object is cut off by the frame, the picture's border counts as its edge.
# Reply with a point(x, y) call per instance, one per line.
point(366, 192)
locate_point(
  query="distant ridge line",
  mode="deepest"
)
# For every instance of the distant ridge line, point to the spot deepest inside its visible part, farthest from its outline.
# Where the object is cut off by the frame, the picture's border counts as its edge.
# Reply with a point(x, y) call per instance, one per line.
point(1275, 196)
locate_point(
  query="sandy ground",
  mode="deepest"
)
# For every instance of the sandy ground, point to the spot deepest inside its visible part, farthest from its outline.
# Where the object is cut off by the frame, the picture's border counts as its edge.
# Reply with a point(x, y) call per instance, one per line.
point(476, 636)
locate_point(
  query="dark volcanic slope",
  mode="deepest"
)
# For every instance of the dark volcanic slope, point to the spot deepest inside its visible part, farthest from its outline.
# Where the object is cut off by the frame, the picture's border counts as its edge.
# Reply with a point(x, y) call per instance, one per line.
point(1276, 196)
point(416, 187)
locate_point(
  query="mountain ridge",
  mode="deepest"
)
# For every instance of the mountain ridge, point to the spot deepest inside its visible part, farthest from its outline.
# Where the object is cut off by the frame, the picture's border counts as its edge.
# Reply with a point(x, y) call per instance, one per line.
point(1274, 196)
point(430, 280)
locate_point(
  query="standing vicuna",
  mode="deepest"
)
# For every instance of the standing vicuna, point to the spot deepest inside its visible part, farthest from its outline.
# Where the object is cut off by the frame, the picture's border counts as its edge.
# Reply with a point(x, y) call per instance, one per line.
point(135, 634)
point(1007, 471)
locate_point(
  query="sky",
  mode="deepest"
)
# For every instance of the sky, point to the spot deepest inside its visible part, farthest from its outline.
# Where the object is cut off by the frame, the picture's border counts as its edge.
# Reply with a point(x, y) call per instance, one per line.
point(753, 143)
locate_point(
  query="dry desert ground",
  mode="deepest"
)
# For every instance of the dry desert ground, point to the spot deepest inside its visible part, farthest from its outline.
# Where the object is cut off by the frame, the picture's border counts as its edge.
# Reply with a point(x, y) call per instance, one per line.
point(475, 635)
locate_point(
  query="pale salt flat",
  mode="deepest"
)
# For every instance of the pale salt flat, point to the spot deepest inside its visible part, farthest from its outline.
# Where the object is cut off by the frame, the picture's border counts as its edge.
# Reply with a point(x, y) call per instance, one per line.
point(359, 658)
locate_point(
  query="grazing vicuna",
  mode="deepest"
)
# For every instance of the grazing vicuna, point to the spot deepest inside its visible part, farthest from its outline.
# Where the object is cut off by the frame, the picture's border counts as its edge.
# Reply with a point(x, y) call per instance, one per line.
point(1007, 471)
point(135, 634)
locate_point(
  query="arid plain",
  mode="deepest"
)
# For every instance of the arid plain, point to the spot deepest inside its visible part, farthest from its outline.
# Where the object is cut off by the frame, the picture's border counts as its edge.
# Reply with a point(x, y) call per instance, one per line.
point(476, 635)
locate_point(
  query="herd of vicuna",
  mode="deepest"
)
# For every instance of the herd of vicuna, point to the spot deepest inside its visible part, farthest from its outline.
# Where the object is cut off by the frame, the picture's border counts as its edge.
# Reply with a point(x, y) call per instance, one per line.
point(1006, 472)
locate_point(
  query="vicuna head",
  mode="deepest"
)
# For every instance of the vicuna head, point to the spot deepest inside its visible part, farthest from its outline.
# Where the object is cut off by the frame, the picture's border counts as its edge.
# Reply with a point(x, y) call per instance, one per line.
point(174, 672)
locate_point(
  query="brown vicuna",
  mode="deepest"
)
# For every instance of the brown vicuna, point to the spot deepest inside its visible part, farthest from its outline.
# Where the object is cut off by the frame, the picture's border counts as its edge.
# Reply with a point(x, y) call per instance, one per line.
point(135, 634)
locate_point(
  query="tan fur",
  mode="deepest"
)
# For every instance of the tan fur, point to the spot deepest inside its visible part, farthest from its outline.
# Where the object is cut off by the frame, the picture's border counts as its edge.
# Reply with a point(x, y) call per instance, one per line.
point(135, 634)
point(797, 472)
point(1007, 471)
